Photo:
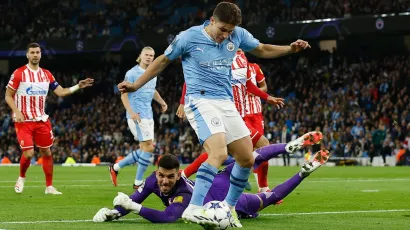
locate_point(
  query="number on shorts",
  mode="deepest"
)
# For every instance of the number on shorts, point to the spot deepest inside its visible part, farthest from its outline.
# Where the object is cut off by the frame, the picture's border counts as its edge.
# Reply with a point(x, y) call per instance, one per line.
point(51, 133)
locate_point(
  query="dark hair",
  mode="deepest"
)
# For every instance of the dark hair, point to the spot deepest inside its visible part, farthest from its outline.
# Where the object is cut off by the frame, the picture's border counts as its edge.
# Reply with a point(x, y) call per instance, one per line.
point(32, 45)
point(228, 13)
point(169, 161)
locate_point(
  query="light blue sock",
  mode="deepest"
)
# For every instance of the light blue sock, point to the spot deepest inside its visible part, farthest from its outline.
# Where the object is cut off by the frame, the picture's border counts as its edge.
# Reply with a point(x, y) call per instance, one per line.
point(143, 163)
point(204, 177)
point(239, 177)
point(130, 159)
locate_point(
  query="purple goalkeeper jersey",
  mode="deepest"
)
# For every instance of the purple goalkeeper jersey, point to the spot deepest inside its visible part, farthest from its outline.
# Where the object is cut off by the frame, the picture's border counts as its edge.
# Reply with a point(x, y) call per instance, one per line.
point(178, 199)
point(247, 205)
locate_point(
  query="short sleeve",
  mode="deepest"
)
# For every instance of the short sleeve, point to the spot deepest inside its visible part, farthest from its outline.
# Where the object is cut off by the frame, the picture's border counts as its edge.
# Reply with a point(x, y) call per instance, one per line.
point(128, 77)
point(259, 74)
point(50, 76)
point(248, 42)
point(177, 46)
point(15, 80)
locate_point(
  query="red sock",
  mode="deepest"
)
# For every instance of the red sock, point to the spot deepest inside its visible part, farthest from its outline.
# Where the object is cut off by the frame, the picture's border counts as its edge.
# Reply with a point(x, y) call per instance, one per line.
point(48, 169)
point(262, 172)
point(194, 166)
point(24, 164)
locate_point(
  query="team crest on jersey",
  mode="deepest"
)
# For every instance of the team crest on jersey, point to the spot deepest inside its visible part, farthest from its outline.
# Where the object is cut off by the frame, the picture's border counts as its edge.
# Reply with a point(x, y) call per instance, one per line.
point(216, 121)
point(230, 46)
point(178, 199)
point(22, 143)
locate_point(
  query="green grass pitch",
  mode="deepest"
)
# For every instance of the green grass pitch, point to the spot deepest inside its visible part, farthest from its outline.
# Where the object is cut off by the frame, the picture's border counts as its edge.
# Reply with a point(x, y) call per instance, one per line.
point(331, 198)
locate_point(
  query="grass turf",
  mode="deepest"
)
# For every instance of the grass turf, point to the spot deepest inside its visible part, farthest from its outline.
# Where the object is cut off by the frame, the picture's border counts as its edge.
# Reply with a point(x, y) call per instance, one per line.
point(331, 198)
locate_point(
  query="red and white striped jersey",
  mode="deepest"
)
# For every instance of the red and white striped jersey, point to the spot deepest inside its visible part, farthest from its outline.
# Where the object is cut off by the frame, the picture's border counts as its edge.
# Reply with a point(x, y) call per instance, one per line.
point(31, 91)
point(239, 78)
point(253, 103)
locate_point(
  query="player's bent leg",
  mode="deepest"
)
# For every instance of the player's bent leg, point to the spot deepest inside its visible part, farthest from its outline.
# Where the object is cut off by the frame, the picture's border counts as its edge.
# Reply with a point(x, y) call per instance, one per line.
point(48, 171)
point(242, 151)
point(130, 159)
point(282, 190)
point(215, 146)
point(194, 166)
point(262, 170)
point(147, 147)
point(25, 160)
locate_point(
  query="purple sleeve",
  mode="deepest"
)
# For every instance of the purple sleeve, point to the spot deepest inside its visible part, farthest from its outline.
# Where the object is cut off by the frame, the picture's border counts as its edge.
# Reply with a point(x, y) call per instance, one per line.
point(172, 213)
point(140, 194)
point(144, 190)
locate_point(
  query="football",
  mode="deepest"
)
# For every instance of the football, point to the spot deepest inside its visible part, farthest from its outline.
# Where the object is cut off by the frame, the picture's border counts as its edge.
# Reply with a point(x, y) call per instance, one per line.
point(220, 213)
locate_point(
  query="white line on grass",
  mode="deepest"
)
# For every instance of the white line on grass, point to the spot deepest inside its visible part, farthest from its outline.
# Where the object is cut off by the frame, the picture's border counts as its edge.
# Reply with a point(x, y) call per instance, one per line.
point(263, 214)
point(42, 181)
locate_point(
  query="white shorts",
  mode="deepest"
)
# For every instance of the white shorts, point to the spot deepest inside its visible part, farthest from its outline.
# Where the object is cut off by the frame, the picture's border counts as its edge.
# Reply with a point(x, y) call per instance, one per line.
point(209, 116)
point(142, 131)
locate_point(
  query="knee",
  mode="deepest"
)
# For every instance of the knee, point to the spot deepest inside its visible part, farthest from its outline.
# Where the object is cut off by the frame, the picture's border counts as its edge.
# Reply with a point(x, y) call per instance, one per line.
point(263, 141)
point(219, 156)
point(28, 154)
point(148, 148)
point(246, 162)
point(45, 152)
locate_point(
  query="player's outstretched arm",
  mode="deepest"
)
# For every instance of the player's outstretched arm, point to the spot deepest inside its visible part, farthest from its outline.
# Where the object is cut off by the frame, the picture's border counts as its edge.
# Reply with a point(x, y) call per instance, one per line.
point(173, 212)
point(155, 68)
point(273, 51)
point(62, 92)
point(158, 98)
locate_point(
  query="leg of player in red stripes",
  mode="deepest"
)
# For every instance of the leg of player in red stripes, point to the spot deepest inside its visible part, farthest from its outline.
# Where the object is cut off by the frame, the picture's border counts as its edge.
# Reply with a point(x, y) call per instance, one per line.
point(194, 166)
point(24, 165)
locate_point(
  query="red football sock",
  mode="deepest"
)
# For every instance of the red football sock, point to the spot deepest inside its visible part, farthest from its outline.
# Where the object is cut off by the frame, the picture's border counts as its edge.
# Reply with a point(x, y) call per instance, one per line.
point(262, 172)
point(24, 164)
point(194, 166)
point(48, 169)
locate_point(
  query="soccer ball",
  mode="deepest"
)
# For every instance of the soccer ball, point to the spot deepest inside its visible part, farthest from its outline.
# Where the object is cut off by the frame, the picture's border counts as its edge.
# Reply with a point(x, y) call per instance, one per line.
point(220, 212)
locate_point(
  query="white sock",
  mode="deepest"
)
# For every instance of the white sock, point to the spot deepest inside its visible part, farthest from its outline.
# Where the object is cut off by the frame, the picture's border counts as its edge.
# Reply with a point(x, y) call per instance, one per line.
point(193, 206)
point(230, 206)
point(116, 167)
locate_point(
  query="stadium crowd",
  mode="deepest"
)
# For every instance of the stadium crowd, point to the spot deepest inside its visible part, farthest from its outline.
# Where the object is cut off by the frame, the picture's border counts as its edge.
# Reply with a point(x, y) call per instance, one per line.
point(359, 103)
point(81, 19)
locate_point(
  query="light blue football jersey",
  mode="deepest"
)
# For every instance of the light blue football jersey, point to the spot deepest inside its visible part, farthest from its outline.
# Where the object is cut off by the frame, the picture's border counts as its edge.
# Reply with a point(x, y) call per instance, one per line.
point(206, 63)
point(141, 99)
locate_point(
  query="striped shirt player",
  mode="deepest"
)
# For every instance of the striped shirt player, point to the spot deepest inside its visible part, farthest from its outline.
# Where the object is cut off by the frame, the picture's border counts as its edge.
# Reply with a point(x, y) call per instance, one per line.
point(26, 95)
point(242, 87)
point(253, 103)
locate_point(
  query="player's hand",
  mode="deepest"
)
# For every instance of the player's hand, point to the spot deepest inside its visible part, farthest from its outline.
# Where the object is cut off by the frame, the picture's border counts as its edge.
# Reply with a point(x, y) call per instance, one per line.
point(298, 46)
point(19, 117)
point(164, 107)
point(136, 117)
point(126, 86)
point(85, 83)
point(279, 102)
point(181, 112)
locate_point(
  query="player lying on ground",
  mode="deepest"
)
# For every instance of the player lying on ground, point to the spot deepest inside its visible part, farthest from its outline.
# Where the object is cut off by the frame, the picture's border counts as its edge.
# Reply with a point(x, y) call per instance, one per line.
point(176, 191)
